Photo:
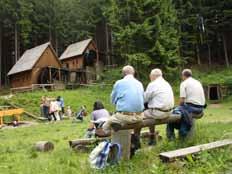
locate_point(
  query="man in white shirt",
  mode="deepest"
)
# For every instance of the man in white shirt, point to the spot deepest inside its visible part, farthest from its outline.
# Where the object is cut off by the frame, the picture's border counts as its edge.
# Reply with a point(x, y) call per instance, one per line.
point(191, 90)
point(192, 101)
point(159, 99)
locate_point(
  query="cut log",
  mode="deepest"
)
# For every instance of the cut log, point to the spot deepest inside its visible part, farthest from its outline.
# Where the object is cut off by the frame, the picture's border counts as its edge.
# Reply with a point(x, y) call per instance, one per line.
point(151, 122)
point(44, 146)
point(146, 123)
point(172, 155)
point(87, 141)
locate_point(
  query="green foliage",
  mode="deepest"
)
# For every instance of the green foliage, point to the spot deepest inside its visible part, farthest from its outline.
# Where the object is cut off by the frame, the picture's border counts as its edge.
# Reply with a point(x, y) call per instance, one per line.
point(145, 33)
point(60, 21)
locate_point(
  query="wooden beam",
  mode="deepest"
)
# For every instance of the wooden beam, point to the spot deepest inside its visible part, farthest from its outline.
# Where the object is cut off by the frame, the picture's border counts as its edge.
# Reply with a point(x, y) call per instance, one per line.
point(146, 123)
point(86, 141)
point(172, 155)
point(151, 122)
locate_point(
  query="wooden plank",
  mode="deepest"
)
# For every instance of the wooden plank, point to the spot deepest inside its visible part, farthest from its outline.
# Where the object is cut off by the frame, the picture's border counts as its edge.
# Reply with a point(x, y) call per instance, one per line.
point(172, 155)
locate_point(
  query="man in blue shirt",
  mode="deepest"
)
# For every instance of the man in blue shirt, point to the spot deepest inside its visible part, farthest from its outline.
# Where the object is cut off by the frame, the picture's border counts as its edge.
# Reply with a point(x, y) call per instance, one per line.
point(127, 96)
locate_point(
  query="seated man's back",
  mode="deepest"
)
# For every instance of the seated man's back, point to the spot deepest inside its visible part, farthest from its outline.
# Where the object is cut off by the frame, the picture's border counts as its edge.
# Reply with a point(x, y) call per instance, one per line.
point(193, 92)
point(127, 95)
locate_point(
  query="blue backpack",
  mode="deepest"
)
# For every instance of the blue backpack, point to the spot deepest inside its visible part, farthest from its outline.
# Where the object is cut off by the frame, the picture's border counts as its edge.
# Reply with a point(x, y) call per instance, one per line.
point(104, 154)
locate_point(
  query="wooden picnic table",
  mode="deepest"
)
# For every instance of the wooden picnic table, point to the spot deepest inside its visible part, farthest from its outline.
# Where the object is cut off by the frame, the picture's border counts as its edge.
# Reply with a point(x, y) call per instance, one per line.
point(10, 112)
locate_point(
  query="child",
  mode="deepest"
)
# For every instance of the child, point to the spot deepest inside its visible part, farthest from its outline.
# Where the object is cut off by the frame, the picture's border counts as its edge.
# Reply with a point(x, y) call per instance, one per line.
point(80, 115)
point(69, 112)
point(54, 110)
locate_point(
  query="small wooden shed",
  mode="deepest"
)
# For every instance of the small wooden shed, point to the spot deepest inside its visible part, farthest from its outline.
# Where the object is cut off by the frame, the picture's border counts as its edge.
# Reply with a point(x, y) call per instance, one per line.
point(81, 57)
point(28, 68)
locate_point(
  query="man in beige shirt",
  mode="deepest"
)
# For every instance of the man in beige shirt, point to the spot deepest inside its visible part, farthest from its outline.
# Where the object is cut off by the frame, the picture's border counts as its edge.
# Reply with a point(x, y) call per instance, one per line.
point(159, 99)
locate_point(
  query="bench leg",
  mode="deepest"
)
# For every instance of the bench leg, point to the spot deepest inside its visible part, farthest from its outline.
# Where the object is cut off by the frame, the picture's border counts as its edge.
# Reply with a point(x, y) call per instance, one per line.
point(192, 131)
point(17, 118)
point(123, 137)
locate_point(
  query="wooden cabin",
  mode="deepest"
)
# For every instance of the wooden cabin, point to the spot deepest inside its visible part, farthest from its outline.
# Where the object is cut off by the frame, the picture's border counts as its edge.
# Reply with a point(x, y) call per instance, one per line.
point(28, 69)
point(81, 57)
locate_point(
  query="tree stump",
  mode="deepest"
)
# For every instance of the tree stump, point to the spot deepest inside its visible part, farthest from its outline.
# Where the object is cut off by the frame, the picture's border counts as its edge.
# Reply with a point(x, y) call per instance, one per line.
point(44, 146)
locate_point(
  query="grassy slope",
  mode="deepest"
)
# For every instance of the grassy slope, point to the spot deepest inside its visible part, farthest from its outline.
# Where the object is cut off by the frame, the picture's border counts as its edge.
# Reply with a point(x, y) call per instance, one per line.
point(17, 155)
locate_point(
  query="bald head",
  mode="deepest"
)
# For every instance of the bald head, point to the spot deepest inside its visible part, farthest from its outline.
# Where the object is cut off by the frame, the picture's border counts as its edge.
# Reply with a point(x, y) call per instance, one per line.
point(155, 73)
point(128, 70)
point(186, 73)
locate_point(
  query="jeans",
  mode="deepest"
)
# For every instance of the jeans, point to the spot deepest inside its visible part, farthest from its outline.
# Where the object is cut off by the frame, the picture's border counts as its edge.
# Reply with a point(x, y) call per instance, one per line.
point(186, 122)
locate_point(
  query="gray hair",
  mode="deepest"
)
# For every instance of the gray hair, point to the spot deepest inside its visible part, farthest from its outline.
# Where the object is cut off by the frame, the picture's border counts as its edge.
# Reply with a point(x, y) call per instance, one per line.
point(128, 70)
point(156, 72)
point(187, 72)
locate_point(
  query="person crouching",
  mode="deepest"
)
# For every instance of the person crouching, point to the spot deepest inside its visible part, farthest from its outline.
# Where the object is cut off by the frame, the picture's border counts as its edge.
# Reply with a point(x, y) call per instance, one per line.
point(98, 117)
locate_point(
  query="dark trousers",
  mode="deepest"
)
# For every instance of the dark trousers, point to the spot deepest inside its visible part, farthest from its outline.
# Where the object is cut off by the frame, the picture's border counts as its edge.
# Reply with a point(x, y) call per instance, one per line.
point(52, 115)
point(46, 112)
point(185, 125)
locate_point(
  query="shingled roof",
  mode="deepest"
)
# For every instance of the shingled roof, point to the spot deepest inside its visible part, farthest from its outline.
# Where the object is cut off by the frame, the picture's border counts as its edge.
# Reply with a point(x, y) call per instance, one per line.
point(75, 49)
point(28, 59)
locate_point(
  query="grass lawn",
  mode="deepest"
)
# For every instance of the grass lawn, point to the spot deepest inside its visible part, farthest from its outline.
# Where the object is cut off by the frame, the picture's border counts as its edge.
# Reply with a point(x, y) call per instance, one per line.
point(18, 157)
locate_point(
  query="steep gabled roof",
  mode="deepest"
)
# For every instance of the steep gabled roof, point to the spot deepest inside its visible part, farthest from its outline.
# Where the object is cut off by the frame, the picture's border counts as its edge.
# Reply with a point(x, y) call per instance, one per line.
point(29, 59)
point(75, 49)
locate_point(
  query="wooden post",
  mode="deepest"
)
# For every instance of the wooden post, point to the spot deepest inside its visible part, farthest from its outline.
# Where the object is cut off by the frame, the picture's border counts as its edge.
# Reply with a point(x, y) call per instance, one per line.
point(50, 74)
point(17, 118)
point(1, 120)
point(59, 75)
point(123, 137)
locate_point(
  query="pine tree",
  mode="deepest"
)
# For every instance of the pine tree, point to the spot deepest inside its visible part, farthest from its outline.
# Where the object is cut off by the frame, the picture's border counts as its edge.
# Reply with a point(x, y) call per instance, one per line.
point(146, 33)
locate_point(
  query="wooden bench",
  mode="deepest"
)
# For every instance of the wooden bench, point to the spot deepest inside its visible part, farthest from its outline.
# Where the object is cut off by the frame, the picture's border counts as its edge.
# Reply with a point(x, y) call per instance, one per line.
point(10, 112)
point(121, 134)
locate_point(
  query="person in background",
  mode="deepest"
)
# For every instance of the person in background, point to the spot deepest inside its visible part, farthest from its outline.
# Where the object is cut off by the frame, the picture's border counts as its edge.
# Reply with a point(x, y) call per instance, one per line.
point(60, 101)
point(98, 117)
point(81, 113)
point(127, 95)
point(46, 107)
point(41, 106)
point(192, 101)
point(159, 98)
point(54, 110)
point(69, 112)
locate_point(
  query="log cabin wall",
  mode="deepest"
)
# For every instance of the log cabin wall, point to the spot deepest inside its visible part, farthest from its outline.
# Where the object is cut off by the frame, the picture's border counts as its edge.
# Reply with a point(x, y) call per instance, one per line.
point(21, 79)
point(74, 63)
point(48, 58)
